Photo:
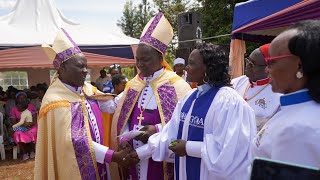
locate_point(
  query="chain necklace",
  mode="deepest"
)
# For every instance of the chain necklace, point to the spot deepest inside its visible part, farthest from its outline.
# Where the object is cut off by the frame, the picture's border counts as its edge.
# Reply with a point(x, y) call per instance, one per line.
point(246, 91)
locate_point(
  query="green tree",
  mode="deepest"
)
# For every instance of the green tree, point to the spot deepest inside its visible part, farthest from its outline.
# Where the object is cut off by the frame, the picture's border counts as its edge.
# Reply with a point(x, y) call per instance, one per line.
point(132, 22)
point(171, 9)
point(217, 17)
point(134, 18)
point(127, 21)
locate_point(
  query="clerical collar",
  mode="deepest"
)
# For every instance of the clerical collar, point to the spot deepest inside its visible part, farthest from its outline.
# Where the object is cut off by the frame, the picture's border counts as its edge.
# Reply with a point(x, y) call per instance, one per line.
point(259, 82)
point(203, 89)
point(153, 76)
point(74, 89)
point(297, 97)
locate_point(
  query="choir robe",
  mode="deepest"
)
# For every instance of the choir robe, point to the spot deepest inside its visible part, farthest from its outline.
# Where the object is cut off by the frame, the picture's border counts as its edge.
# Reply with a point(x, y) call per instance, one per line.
point(158, 95)
point(292, 134)
point(70, 135)
point(218, 127)
point(260, 97)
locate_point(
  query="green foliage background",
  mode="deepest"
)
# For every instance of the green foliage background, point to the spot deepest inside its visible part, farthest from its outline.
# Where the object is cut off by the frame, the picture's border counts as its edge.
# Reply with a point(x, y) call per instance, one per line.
point(217, 17)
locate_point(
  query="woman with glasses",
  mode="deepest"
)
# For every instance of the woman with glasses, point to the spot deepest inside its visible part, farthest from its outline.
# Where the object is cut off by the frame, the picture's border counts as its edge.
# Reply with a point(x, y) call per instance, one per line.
point(292, 135)
point(255, 88)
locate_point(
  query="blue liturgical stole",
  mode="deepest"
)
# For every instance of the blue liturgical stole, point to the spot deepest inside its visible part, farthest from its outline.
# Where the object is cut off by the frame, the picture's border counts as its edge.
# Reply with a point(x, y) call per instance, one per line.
point(196, 125)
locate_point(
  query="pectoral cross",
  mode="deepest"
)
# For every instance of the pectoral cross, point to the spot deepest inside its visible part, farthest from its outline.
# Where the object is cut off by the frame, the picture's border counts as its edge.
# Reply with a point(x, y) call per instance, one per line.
point(140, 118)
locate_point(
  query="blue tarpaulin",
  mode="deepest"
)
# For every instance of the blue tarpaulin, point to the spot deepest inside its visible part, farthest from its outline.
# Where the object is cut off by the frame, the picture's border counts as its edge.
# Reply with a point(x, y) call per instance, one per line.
point(251, 11)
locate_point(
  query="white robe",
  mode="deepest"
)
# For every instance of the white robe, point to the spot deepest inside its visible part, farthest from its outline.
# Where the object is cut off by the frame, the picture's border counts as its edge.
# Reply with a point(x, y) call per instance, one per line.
point(264, 104)
point(229, 128)
point(292, 135)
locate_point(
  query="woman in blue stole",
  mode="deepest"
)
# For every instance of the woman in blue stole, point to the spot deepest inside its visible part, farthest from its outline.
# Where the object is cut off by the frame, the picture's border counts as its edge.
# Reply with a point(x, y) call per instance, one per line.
point(210, 131)
point(292, 135)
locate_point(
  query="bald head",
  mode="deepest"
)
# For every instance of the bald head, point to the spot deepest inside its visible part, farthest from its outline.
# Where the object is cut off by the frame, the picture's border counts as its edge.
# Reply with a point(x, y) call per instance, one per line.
point(255, 69)
point(283, 70)
point(257, 57)
point(279, 46)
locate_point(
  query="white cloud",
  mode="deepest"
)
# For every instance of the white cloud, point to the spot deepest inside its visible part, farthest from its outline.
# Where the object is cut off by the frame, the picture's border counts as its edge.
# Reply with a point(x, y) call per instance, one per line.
point(7, 4)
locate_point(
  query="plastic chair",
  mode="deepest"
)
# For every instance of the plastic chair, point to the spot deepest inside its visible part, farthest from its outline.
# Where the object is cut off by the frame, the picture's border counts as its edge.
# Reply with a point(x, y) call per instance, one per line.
point(15, 151)
point(2, 150)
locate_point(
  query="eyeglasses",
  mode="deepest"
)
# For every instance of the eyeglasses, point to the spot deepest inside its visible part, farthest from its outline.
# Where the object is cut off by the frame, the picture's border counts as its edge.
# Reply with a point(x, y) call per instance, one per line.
point(251, 64)
point(268, 59)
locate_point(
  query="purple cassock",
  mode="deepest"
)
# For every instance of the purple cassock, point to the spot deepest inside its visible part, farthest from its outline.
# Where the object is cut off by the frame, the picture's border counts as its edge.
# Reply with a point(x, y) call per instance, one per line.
point(168, 100)
point(155, 169)
point(80, 143)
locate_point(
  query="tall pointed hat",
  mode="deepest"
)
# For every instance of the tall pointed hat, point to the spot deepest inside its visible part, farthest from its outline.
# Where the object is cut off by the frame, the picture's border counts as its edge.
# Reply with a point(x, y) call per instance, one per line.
point(157, 33)
point(62, 49)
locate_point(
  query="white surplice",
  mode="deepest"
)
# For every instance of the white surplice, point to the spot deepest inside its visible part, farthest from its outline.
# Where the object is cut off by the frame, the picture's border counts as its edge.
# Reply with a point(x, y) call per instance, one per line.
point(264, 103)
point(229, 128)
point(292, 135)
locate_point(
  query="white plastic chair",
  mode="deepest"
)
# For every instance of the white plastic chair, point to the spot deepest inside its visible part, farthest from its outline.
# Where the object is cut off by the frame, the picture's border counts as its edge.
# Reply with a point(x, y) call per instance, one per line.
point(15, 151)
point(2, 150)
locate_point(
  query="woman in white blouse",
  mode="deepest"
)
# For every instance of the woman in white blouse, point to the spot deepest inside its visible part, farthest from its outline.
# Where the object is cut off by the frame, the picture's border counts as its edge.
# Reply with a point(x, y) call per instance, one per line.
point(293, 134)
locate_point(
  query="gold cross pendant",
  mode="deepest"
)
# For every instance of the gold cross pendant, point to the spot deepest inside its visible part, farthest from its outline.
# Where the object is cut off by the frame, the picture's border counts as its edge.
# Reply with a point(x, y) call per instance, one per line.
point(140, 118)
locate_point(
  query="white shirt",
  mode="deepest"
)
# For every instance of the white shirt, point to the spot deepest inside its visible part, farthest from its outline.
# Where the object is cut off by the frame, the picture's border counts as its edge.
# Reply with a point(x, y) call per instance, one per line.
point(229, 128)
point(261, 99)
point(292, 135)
point(100, 81)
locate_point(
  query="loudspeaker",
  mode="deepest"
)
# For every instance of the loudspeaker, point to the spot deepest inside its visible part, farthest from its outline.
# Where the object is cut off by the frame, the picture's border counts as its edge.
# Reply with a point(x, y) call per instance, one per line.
point(183, 53)
point(189, 28)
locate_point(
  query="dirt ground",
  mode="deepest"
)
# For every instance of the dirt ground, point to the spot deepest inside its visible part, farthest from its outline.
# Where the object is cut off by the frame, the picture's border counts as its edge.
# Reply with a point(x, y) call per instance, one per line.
point(16, 169)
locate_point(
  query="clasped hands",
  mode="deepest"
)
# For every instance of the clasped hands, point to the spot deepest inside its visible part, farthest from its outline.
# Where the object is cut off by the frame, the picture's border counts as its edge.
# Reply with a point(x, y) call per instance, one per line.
point(126, 155)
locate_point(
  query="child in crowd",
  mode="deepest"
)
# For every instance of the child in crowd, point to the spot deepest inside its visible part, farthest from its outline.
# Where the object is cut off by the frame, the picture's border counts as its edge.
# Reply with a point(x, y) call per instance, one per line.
point(26, 116)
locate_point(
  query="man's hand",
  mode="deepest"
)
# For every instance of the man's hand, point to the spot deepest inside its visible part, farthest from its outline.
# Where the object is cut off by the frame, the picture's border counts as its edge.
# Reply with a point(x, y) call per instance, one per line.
point(149, 130)
point(131, 158)
point(178, 147)
point(125, 145)
point(119, 156)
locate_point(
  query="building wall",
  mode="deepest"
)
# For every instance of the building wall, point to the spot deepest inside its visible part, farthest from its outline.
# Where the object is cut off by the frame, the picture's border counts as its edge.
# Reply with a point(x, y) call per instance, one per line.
point(36, 76)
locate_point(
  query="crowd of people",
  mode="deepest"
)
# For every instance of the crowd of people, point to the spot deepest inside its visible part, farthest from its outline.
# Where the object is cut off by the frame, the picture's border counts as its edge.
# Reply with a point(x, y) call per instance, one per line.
point(156, 126)
point(19, 109)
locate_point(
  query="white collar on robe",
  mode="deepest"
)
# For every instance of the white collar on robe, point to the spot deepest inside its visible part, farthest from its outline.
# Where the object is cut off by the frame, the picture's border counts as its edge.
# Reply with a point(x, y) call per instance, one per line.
point(74, 89)
point(147, 100)
point(155, 75)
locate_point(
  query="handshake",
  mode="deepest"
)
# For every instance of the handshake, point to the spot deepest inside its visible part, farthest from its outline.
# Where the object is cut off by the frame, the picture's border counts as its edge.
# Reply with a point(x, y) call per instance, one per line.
point(126, 155)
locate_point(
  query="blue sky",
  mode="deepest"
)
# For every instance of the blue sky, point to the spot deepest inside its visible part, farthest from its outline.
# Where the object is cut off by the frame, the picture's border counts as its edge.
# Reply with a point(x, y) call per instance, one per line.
point(104, 13)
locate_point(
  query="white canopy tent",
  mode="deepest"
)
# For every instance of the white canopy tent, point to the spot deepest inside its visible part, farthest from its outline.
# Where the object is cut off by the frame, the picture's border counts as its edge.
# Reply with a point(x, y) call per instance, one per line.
point(34, 22)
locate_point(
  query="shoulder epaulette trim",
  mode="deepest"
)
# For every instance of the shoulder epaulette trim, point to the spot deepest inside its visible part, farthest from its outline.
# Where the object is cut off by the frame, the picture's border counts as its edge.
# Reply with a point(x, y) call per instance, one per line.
point(53, 105)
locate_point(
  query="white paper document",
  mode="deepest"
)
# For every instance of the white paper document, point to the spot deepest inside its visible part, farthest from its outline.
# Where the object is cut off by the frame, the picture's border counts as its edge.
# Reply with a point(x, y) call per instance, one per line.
point(131, 134)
